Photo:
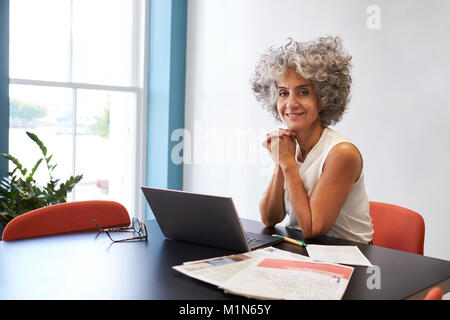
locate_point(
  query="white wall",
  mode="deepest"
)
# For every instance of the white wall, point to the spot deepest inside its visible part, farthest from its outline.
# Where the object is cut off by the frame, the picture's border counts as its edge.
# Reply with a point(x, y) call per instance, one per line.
point(398, 114)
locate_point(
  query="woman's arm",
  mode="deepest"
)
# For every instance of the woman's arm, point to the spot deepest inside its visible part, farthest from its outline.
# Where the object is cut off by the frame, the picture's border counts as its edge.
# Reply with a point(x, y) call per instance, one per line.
point(271, 206)
point(317, 214)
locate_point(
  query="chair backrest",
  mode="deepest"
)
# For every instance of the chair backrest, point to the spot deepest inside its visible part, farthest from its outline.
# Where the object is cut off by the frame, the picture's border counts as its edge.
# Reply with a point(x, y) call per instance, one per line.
point(66, 217)
point(397, 228)
point(434, 294)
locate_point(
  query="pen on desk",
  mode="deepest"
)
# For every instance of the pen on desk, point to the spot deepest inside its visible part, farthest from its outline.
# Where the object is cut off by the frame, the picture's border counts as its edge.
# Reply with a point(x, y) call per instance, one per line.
point(294, 241)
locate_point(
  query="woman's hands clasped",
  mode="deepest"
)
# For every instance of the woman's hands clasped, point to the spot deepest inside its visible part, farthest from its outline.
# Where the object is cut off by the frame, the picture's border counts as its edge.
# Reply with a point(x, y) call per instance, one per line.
point(281, 145)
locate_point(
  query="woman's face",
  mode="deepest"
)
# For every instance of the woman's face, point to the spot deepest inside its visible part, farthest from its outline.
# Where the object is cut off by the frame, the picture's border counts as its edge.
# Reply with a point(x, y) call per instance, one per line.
point(297, 102)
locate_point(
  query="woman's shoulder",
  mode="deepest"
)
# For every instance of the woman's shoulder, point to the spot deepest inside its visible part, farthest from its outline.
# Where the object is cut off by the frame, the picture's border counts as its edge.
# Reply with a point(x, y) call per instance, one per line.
point(346, 150)
point(344, 155)
point(340, 145)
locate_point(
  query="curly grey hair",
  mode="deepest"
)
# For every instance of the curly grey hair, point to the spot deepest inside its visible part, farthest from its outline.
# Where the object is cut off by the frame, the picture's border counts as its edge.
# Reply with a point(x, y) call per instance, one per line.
point(322, 62)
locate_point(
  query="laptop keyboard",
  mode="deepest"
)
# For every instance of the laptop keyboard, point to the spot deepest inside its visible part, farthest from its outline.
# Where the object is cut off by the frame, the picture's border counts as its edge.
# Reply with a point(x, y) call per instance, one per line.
point(253, 240)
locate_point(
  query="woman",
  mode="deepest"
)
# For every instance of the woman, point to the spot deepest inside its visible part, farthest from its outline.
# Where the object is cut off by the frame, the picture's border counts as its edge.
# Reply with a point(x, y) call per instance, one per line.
point(318, 179)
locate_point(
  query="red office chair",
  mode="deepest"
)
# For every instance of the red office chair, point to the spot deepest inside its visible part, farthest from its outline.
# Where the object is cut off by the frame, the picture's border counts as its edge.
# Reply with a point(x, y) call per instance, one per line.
point(434, 294)
point(396, 227)
point(66, 217)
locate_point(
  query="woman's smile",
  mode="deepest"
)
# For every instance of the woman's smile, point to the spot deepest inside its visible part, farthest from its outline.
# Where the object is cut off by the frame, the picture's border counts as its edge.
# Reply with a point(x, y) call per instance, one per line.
point(294, 116)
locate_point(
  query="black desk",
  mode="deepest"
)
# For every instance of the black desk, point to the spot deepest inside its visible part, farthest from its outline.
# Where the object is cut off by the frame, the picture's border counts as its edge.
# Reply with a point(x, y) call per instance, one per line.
point(87, 265)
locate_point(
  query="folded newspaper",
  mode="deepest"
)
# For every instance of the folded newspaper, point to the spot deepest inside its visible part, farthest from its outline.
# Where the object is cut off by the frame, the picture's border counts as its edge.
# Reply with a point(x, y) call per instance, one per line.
point(271, 273)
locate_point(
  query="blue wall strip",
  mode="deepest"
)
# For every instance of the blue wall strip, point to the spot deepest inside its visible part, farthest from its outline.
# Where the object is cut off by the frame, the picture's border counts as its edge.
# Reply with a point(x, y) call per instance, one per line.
point(166, 89)
point(4, 84)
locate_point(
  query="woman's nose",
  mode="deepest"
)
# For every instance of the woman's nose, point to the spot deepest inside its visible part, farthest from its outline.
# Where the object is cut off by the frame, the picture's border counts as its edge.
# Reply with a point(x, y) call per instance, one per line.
point(292, 101)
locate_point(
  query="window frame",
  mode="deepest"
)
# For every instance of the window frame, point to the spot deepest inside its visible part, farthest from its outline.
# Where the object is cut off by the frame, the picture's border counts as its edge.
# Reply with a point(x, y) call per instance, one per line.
point(138, 86)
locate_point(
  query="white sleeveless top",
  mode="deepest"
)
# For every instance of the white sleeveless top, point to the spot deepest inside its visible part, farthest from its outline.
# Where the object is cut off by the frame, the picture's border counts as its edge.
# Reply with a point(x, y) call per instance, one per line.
point(353, 222)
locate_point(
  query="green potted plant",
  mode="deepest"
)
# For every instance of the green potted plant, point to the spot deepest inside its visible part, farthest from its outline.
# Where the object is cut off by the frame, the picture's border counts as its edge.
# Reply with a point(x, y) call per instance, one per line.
point(20, 193)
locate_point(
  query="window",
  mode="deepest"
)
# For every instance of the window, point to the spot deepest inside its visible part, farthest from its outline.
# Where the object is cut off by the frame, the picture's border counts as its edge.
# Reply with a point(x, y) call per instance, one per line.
point(76, 80)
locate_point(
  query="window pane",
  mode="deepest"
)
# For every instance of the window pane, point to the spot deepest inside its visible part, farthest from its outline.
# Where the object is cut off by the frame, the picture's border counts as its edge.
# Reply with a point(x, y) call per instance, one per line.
point(47, 112)
point(102, 42)
point(104, 145)
point(39, 39)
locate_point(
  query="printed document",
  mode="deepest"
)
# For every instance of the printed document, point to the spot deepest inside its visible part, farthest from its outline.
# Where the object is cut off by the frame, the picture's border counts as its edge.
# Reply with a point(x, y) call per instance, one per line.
point(338, 254)
point(273, 278)
point(218, 270)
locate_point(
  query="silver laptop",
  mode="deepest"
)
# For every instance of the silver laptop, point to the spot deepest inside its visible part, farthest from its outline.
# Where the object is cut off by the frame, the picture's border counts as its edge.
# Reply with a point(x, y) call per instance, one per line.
point(204, 219)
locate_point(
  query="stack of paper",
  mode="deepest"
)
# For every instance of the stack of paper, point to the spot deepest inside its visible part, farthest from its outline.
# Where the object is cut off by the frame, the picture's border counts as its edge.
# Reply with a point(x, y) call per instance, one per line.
point(269, 278)
point(270, 273)
point(338, 254)
point(218, 270)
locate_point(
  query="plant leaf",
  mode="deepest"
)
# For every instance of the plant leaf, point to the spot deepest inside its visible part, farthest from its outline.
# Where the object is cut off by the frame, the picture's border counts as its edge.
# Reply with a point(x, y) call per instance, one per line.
point(70, 183)
point(30, 176)
point(16, 162)
point(38, 142)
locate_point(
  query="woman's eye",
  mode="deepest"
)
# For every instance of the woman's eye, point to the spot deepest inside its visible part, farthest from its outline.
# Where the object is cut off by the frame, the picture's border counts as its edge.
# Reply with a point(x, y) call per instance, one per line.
point(303, 92)
point(282, 93)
